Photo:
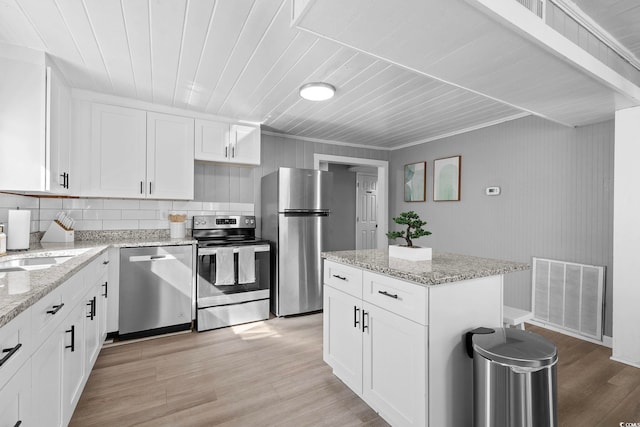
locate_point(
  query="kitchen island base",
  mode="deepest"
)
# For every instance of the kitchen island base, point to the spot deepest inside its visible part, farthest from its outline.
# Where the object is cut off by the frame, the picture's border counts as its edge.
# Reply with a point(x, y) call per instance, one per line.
point(399, 345)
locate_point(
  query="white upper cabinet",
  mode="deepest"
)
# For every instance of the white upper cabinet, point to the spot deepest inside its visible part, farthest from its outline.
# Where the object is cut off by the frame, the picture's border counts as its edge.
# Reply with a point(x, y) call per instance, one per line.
point(169, 157)
point(227, 143)
point(140, 155)
point(58, 133)
point(118, 151)
point(34, 124)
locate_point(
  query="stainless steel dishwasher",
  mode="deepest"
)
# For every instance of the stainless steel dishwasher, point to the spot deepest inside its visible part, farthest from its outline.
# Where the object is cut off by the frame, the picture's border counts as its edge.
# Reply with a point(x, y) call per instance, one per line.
point(156, 290)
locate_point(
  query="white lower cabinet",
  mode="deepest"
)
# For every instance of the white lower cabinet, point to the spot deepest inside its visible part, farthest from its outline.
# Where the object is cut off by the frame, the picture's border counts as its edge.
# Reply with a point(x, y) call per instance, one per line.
point(73, 366)
point(394, 366)
point(46, 380)
point(60, 337)
point(342, 348)
point(398, 344)
point(380, 355)
point(15, 399)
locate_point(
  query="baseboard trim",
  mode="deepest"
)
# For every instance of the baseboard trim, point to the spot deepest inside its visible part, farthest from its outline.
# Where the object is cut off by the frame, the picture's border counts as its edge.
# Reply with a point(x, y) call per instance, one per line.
point(626, 362)
point(606, 341)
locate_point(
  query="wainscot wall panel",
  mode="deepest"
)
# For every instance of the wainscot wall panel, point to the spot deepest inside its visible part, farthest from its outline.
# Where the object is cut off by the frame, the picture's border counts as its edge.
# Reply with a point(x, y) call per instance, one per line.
point(556, 197)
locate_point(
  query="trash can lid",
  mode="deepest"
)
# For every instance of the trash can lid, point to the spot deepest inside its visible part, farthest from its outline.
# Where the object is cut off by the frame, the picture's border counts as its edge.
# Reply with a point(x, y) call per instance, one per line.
point(516, 347)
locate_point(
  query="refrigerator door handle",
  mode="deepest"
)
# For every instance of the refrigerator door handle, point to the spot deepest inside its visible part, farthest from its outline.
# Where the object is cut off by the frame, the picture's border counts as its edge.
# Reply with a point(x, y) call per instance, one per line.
point(307, 212)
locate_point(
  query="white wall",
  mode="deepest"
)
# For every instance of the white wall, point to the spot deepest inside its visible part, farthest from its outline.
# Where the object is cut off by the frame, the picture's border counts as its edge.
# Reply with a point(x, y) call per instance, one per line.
point(626, 238)
point(556, 201)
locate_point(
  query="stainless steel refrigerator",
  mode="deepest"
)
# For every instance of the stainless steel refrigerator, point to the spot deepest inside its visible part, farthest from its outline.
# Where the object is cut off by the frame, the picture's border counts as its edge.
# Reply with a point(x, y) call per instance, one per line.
point(294, 217)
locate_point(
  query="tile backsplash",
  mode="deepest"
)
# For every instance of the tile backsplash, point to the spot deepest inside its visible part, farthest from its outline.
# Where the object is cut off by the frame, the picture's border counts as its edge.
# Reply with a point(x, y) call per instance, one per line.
point(15, 201)
point(114, 214)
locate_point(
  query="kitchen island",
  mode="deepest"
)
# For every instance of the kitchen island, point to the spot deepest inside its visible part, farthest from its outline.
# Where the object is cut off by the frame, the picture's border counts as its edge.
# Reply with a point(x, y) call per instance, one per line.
point(394, 330)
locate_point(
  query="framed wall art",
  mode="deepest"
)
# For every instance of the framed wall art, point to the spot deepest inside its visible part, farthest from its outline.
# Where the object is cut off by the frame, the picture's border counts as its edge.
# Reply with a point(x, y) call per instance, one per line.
point(415, 182)
point(446, 179)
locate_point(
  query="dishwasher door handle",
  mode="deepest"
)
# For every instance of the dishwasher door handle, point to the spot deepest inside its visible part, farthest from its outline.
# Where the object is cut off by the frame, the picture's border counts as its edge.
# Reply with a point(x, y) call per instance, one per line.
point(144, 258)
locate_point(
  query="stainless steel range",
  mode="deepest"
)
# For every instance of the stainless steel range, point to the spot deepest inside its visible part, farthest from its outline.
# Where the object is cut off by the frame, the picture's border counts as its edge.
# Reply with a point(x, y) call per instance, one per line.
point(233, 276)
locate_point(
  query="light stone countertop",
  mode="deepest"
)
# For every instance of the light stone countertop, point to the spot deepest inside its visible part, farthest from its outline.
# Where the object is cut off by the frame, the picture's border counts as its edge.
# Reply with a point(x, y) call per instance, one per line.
point(443, 268)
point(19, 290)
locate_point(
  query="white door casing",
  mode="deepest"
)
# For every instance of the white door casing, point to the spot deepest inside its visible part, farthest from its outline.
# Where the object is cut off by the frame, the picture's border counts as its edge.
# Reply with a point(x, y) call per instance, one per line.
point(321, 161)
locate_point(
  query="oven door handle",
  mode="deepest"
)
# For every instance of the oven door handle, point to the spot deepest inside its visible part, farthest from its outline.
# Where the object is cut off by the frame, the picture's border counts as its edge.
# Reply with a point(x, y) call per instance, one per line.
point(212, 251)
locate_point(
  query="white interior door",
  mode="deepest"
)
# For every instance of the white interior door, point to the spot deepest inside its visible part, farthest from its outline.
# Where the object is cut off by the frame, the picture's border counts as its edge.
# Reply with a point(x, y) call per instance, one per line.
point(366, 211)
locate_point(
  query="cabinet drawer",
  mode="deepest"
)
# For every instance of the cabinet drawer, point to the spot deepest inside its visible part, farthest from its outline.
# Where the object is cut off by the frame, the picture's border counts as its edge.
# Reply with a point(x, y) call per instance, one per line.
point(15, 345)
point(344, 278)
point(402, 298)
point(48, 312)
point(97, 269)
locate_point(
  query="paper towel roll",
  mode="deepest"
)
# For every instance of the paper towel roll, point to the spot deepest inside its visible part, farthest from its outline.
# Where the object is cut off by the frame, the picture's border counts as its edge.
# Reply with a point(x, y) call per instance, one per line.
point(18, 229)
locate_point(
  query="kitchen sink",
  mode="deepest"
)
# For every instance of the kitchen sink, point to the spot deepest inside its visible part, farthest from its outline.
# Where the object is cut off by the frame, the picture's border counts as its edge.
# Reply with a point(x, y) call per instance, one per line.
point(33, 263)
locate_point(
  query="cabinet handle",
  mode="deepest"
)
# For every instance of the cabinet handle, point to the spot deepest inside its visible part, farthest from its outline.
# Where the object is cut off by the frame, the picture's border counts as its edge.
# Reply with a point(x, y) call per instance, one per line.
point(149, 187)
point(64, 179)
point(92, 308)
point(67, 180)
point(10, 352)
point(226, 151)
point(56, 308)
point(18, 424)
point(365, 315)
point(105, 285)
point(233, 151)
point(339, 277)
point(73, 338)
point(356, 316)
point(387, 294)
point(141, 187)
point(105, 262)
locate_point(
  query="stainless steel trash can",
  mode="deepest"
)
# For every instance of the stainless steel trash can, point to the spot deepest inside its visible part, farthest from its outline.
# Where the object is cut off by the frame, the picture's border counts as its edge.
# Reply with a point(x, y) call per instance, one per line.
point(514, 378)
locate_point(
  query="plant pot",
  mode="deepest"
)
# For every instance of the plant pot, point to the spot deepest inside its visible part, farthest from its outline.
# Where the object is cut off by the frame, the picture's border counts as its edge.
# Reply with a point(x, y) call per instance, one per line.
point(415, 253)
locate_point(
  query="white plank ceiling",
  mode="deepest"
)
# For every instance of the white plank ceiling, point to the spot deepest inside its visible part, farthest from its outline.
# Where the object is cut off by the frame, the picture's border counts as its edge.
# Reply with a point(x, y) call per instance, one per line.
point(242, 59)
point(620, 18)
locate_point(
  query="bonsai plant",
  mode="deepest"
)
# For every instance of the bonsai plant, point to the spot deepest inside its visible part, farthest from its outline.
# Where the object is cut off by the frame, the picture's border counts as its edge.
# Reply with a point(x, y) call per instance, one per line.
point(414, 230)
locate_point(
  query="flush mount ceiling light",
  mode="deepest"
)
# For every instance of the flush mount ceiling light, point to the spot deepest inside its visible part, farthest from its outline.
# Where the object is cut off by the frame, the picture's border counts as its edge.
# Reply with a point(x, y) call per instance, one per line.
point(317, 91)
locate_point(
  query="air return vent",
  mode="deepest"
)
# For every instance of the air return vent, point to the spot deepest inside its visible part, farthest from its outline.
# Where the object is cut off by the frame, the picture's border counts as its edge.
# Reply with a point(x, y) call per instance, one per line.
point(568, 296)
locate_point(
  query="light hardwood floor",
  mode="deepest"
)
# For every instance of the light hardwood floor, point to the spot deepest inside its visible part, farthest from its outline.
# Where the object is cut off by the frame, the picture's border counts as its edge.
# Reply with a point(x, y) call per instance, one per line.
point(272, 374)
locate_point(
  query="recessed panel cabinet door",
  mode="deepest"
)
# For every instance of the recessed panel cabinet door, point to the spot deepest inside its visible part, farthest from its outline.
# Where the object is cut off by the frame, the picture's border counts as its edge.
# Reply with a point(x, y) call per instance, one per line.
point(73, 360)
point(58, 134)
point(118, 151)
point(22, 126)
point(212, 141)
point(245, 145)
point(15, 399)
point(169, 157)
point(342, 346)
point(46, 380)
point(394, 367)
